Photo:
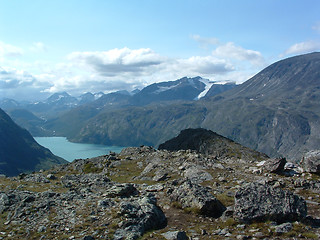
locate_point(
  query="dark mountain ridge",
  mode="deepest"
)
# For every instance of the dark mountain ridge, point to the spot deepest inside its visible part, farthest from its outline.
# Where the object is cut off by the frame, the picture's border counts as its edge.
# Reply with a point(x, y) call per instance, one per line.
point(19, 152)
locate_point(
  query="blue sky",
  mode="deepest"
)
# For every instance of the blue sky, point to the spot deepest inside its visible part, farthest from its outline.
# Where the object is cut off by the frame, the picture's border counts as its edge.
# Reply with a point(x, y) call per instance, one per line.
point(80, 46)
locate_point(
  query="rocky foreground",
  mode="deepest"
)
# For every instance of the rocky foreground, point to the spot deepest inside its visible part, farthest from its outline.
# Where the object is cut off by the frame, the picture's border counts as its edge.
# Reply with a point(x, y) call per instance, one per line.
point(144, 193)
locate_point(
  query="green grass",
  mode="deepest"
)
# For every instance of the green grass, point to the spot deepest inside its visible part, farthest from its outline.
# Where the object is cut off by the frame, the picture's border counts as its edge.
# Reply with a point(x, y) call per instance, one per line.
point(91, 168)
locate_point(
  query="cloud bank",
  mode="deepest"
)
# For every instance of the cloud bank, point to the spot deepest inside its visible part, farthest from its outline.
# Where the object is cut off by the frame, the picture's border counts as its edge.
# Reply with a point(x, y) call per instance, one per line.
point(121, 69)
point(302, 47)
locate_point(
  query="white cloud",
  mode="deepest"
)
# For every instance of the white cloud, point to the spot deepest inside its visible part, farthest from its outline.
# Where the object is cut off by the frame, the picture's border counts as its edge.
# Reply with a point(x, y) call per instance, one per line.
point(205, 65)
point(125, 68)
point(303, 47)
point(116, 69)
point(117, 61)
point(19, 85)
point(7, 50)
point(233, 52)
point(12, 78)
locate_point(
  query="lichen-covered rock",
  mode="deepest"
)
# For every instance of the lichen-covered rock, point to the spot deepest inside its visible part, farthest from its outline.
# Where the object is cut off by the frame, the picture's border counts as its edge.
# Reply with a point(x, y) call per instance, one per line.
point(311, 162)
point(140, 216)
point(191, 195)
point(258, 202)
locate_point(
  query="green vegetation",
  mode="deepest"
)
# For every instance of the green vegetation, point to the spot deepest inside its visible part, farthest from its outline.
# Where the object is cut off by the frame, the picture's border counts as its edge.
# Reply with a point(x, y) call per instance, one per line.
point(91, 168)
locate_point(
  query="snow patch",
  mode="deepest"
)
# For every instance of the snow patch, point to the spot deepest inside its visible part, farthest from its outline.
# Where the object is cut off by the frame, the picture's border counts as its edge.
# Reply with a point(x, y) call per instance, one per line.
point(97, 95)
point(163, 89)
point(206, 89)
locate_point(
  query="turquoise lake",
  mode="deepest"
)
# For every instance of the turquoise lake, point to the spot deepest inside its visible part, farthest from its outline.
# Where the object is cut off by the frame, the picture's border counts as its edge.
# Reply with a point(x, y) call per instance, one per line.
point(61, 147)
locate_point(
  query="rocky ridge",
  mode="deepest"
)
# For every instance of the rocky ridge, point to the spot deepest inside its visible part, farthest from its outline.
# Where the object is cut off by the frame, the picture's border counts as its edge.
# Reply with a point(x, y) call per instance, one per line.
point(147, 193)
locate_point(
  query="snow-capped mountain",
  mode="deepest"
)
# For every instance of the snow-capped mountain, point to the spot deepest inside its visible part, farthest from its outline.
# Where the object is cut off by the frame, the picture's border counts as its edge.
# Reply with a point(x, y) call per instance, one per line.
point(186, 89)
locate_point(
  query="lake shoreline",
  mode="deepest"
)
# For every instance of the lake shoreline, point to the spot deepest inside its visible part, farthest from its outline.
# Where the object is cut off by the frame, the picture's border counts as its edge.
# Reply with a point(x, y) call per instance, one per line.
point(62, 147)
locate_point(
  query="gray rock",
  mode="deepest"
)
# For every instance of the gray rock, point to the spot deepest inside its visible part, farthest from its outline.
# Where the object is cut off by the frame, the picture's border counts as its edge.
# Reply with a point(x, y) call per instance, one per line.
point(91, 180)
point(122, 190)
point(228, 213)
point(140, 216)
point(175, 235)
point(36, 178)
point(274, 165)
point(284, 228)
point(42, 229)
point(311, 162)
point(196, 196)
point(258, 202)
point(150, 167)
point(161, 175)
point(197, 175)
point(4, 202)
point(51, 177)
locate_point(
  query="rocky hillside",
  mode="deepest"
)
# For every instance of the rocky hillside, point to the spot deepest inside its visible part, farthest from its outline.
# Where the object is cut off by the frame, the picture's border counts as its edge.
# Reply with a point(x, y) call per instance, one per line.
point(210, 143)
point(145, 193)
point(19, 152)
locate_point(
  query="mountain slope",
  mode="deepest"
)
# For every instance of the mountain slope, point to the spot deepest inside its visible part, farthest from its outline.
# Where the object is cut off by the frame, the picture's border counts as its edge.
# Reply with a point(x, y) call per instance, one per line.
point(19, 152)
point(277, 111)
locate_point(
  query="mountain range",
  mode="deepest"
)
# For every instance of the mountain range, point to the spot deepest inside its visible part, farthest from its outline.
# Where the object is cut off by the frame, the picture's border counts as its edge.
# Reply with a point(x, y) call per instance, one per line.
point(51, 116)
point(276, 112)
point(19, 152)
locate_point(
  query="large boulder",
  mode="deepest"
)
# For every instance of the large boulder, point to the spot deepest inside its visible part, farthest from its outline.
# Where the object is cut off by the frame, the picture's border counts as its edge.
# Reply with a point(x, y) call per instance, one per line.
point(258, 202)
point(197, 197)
point(311, 162)
point(140, 215)
point(275, 165)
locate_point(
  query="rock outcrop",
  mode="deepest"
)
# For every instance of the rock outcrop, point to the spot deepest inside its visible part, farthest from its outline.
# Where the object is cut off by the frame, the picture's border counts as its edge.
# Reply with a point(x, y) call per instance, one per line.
point(274, 165)
point(258, 202)
point(140, 215)
point(155, 194)
point(311, 162)
point(198, 198)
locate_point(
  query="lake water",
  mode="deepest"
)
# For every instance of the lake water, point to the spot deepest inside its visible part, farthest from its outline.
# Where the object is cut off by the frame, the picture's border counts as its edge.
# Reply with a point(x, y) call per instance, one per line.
point(61, 147)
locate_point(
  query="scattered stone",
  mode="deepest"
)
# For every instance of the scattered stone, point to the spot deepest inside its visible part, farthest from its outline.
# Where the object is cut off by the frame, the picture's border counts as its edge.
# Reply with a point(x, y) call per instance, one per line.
point(51, 177)
point(36, 178)
point(42, 229)
point(258, 202)
point(175, 235)
point(284, 228)
point(228, 213)
point(155, 188)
